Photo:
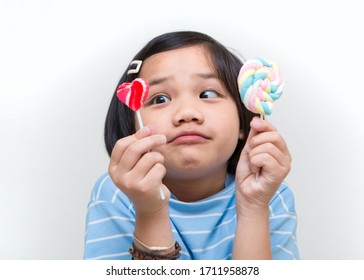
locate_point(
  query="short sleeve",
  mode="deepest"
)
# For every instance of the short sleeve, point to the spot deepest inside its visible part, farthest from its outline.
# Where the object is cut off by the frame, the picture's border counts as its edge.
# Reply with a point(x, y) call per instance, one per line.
point(109, 223)
point(283, 225)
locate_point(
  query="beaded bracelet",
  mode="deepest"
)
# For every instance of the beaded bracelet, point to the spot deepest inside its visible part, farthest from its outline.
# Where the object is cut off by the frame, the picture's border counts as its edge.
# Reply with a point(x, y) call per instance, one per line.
point(138, 254)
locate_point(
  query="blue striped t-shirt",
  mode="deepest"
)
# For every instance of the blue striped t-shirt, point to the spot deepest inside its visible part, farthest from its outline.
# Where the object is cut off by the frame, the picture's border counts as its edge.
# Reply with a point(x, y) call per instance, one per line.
point(205, 229)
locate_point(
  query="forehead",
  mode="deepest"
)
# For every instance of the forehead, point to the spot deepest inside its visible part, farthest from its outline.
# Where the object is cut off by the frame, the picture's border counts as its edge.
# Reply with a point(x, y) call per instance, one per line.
point(193, 58)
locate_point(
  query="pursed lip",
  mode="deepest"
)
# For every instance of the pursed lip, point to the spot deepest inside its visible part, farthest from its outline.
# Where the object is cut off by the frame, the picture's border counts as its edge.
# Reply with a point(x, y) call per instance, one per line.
point(189, 137)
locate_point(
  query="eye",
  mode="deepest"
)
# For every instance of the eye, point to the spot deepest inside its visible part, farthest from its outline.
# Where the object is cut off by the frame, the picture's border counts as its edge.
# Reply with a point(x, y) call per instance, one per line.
point(209, 94)
point(159, 99)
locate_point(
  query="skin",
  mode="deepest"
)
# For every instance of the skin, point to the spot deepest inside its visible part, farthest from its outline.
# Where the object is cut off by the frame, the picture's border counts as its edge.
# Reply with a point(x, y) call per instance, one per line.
point(191, 130)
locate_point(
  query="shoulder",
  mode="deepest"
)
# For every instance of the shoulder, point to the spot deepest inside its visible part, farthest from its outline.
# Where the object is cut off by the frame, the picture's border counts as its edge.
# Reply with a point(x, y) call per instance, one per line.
point(283, 199)
point(109, 223)
point(283, 224)
point(105, 191)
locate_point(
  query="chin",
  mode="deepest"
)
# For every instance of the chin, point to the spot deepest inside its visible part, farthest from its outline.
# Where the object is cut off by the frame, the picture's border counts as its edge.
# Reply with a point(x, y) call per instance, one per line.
point(193, 169)
point(189, 164)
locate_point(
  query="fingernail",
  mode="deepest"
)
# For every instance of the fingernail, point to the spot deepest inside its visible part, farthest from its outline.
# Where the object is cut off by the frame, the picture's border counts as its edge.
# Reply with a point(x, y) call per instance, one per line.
point(144, 131)
point(163, 138)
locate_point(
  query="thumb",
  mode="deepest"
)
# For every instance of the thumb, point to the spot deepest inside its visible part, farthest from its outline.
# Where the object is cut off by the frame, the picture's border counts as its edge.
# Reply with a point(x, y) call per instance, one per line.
point(243, 169)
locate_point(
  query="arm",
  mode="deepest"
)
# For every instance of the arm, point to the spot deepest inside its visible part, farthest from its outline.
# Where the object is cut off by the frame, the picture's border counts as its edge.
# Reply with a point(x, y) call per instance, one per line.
point(265, 153)
point(138, 172)
point(252, 235)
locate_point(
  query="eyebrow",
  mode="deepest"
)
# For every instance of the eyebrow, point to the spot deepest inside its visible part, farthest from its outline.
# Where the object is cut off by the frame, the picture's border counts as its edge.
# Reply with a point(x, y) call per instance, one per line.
point(158, 81)
point(205, 76)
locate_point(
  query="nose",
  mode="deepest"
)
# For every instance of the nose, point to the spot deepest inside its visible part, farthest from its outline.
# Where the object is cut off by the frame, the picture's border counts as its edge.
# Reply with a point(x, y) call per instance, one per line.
point(188, 111)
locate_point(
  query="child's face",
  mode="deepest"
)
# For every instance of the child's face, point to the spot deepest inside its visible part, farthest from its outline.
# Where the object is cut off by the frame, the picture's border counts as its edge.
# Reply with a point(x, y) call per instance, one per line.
point(189, 104)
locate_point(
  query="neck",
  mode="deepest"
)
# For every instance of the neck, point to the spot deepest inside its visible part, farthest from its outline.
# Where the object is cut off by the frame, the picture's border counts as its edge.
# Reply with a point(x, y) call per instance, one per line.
point(189, 189)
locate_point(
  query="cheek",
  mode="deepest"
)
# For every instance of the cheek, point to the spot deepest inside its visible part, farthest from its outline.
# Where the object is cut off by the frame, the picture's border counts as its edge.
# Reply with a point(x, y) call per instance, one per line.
point(153, 120)
point(232, 128)
point(229, 120)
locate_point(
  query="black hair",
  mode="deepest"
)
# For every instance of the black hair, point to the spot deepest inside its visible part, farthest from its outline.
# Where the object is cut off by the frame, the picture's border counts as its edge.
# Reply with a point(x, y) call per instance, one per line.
point(120, 120)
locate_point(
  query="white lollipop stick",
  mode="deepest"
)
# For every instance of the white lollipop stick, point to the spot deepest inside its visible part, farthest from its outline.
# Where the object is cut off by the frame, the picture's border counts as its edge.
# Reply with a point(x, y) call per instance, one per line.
point(140, 121)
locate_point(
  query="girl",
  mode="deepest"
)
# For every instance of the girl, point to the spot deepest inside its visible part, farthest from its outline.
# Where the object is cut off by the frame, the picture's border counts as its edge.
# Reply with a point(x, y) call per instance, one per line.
point(203, 148)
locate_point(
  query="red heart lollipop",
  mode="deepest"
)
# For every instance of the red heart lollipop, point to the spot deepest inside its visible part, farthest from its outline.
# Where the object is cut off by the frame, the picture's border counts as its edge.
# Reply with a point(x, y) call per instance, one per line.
point(133, 94)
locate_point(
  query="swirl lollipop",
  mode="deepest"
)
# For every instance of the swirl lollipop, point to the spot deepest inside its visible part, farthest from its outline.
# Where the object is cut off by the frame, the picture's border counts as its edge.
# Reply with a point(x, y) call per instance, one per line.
point(260, 84)
point(134, 95)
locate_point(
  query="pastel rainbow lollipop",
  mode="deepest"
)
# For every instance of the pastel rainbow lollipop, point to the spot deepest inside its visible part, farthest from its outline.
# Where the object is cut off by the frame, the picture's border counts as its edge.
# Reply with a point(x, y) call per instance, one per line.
point(134, 95)
point(260, 84)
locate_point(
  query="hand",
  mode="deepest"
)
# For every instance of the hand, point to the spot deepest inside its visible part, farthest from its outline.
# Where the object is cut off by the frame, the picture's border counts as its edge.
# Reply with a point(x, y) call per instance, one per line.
point(265, 153)
point(138, 171)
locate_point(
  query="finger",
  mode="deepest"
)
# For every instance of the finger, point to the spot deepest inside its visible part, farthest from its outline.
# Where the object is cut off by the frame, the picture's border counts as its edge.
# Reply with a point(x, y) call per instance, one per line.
point(261, 125)
point(155, 174)
point(253, 132)
point(268, 150)
point(146, 163)
point(244, 168)
point(271, 170)
point(149, 185)
point(137, 149)
point(272, 137)
point(122, 144)
point(266, 132)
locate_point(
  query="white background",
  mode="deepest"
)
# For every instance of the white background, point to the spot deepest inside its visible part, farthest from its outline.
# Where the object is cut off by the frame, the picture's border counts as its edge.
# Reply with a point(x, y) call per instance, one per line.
point(60, 62)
